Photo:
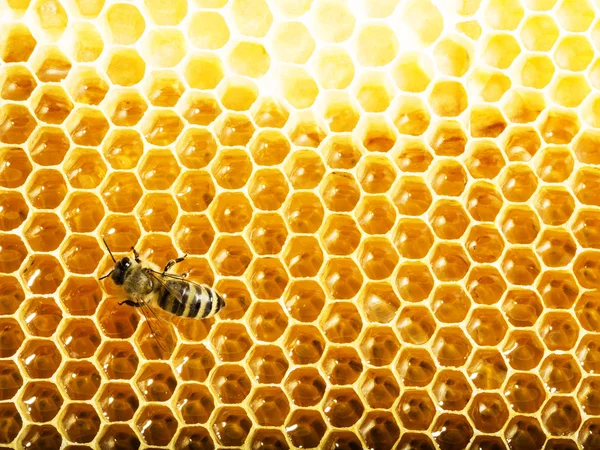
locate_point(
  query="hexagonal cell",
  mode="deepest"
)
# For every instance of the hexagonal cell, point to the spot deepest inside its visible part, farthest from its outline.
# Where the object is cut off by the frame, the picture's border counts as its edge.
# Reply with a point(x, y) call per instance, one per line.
point(525, 429)
point(234, 129)
point(588, 435)
point(46, 189)
point(518, 183)
point(304, 344)
point(123, 148)
point(413, 238)
point(87, 126)
point(303, 256)
point(488, 412)
point(586, 229)
point(195, 403)
point(523, 350)
point(379, 388)
point(305, 428)
point(231, 255)
point(41, 436)
point(416, 325)
point(342, 278)
point(16, 82)
point(559, 126)
point(558, 289)
point(81, 295)
point(559, 331)
point(232, 168)
point(237, 297)
point(343, 407)
point(449, 262)
point(193, 362)
point(231, 426)
point(340, 235)
point(156, 424)
point(587, 311)
point(522, 307)
point(231, 211)
point(414, 281)
point(342, 323)
point(158, 212)
point(451, 347)
point(416, 410)
point(342, 365)
point(268, 364)
point(520, 266)
point(11, 295)
point(304, 300)
point(161, 127)
point(51, 104)
point(12, 422)
point(305, 386)
point(379, 430)
point(231, 341)
point(190, 437)
point(11, 337)
point(158, 170)
point(484, 160)
point(484, 243)
point(416, 367)
point(450, 303)
point(41, 316)
point(379, 346)
point(411, 196)
point(42, 274)
point(81, 254)
point(267, 111)
point(80, 380)
point(560, 373)
point(487, 326)
point(118, 360)
point(86, 85)
point(484, 202)
point(80, 338)
point(452, 390)
point(80, 422)
point(83, 212)
point(520, 225)
point(156, 382)
point(11, 379)
point(270, 406)
point(14, 209)
point(268, 278)
point(342, 439)
point(448, 219)
point(44, 232)
point(118, 402)
point(377, 258)
point(487, 369)
point(452, 431)
point(305, 170)
point(304, 212)
point(585, 269)
point(267, 321)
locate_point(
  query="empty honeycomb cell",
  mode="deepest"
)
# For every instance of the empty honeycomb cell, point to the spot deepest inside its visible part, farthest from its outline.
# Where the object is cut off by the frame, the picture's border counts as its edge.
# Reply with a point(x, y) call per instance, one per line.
point(237, 93)
point(342, 365)
point(305, 386)
point(374, 92)
point(414, 281)
point(452, 56)
point(16, 123)
point(81, 254)
point(570, 90)
point(306, 131)
point(484, 160)
point(193, 234)
point(11, 295)
point(80, 295)
point(231, 212)
point(523, 105)
point(11, 423)
point(44, 232)
point(164, 48)
point(232, 342)
point(559, 126)
point(123, 149)
point(342, 439)
point(190, 437)
point(501, 50)
point(333, 67)
point(448, 98)
point(379, 430)
point(520, 225)
point(379, 346)
point(488, 412)
point(14, 210)
point(83, 212)
point(156, 424)
point(486, 121)
point(118, 360)
point(303, 256)
point(268, 233)
point(411, 196)
point(156, 382)
point(560, 373)
point(192, 362)
point(522, 307)
point(166, 13)
point(587, 353)
point(377, 258)
point(208, 30)
point(41, 400)
point(47, 189)
point(158, 170)
point(332, 21)
point(449, 262)
point(122, 232)
point(194, 191)
point(40, 358)
point(523, 350)
point(448, 138)
point(375, 174)
point(87, 126)
point(51, 64)
point(268, 189)
point(231, 425)
point(584, 146)
point(80, 380)
point(84, 42)
point(484, 244)
point(585, 182)
point(452, 431)
point(524, 432)
point(270, 406)
point(561, 416)
point(304, 344)
point(450, 304)
point(164, 88)
point(125, 24)
point(292, 42)
point(489, 85)
point(521, 143)
point(297, 86)
point(42, 274)
point(485, 285)
point(488, 369)
point(575, 16)
point(588, 396)
point(17, 43)
point(268, 364)
point(343, 407)
point(86, 85)
point(451, 390)
point(80, 338)
point(555, 164)
point(448, 178)
point(416, 367)
point(41, 316)
point(487, 327)
point(16, 82)
point(416, 325)
point(234, 129)
point(376, 215)
point(587, 310)
point(269, 112)
point(11, 379)
point(377, 133)
point(49, 146)
point(305, 428)
point(51, 104)
point(41, 436)
point(196, 147)
point(232, 168)
point(304, 300)
point(341, 323)
point(118, 436)
point(411, 117)
point(116, 321)
point(451, 347)
point(539, 33)
point(556, 248)
point(586, 268)
point(448, 220)
point(269, 147)
point(304, 212)
point(380, 388)
point(558, 289)
point(161, 127)
point(203, 71)
point(267, 321)
point(342, 278)
point(11, 337)
point(504, 15)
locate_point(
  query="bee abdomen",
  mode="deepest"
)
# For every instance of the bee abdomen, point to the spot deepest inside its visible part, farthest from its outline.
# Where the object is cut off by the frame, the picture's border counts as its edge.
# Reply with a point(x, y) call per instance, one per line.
point(191, 301)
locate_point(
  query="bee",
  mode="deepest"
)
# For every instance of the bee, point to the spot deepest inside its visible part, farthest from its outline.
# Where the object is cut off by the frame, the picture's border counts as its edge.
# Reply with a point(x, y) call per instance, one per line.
point(147, 288)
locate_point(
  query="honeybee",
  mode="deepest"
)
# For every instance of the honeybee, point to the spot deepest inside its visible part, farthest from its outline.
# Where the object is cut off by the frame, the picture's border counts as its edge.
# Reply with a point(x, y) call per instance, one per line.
point(146, 287)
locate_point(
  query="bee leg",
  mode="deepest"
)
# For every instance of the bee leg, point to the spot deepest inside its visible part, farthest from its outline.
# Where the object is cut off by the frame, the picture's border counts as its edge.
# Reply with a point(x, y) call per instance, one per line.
point(172, 263)
point(136, 255)
point(129, 303)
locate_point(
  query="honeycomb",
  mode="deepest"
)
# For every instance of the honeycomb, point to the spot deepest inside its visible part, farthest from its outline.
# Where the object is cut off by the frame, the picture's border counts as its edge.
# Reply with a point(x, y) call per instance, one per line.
point(399, 201)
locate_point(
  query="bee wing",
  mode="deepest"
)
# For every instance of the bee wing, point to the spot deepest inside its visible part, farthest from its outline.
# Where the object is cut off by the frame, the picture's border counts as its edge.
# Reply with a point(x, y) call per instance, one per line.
point(159, 327)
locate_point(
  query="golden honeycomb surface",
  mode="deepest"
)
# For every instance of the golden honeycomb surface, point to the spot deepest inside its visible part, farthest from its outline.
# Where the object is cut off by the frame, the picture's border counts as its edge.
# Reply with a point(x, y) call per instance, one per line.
point(398, 199)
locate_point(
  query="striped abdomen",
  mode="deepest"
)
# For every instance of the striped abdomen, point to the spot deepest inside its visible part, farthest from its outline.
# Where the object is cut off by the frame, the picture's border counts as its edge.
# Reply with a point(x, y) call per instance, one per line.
point(186, 299)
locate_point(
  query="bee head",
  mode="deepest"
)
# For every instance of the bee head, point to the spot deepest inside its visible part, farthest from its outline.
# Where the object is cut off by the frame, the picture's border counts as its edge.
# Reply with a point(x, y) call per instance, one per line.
point(118, 273)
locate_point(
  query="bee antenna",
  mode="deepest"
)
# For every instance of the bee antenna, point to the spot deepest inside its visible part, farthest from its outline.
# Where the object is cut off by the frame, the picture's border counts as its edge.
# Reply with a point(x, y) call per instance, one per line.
point(105, 276)
point(109, 252)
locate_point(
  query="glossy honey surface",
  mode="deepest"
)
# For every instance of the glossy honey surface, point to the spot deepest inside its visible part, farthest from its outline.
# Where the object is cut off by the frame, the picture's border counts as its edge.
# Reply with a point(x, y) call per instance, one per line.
point(399, 201)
